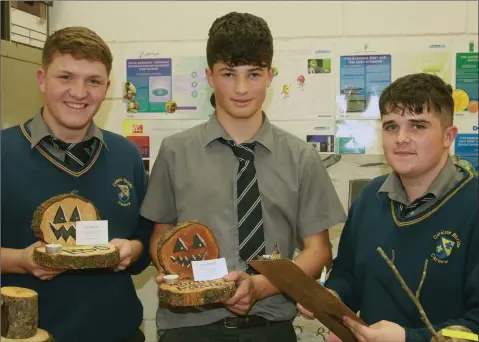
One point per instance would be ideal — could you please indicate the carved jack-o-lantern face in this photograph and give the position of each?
(187, 242)
(54, 221)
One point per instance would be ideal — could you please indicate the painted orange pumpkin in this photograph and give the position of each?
(188, 241)
(54, 220)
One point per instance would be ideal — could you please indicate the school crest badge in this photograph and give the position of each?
(446, 242)
(123, 189)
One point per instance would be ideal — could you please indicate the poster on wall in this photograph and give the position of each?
(466, 142)
(191, 89)
(147, 135)
(318, 133)
(433, 58)
(358, 137)
(322, 143)
(174, 88)
(362, 80)
(149, 85)
(303, 84)
(466, 92)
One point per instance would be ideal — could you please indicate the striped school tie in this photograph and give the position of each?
(77, 155)
(248, 202)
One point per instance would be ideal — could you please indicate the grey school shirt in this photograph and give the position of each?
(40, 130)
(445, 181)
(194, 178)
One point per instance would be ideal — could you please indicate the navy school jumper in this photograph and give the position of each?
(447, 235)
(90, 305)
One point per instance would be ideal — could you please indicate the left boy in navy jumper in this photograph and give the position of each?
(62, 151)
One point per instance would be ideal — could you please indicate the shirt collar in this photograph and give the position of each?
(395, 189)
(214, 130)
(39, 130)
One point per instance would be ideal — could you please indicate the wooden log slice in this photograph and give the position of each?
(19, 312)
(40, 336)
(79, 257)
(188, 241)
(453, 339)
(54, 221)
(188, 292)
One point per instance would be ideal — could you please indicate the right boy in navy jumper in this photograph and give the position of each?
(425, 209)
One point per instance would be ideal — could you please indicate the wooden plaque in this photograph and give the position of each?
(78, 257)
(305, 290)
(190, 241)
(54, 221)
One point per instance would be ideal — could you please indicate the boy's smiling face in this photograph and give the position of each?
(240, 91)
(74, 90)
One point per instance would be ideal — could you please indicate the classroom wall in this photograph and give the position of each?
(348, 22)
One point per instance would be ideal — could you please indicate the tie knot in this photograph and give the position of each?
(58, 143)
(70, 146)
(242, 151)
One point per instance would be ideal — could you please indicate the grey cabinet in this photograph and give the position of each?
(20, 95)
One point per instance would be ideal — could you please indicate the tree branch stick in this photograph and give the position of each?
(418, 292)
(411, 295)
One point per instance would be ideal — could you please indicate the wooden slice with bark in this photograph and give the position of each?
(188, 241)
(40, 336)
(54, 221)
(19, 312)
(78, 257)
(188, 292)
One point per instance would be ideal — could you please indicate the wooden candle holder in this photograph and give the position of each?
(54, 223)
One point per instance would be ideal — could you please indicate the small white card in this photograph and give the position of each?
(209, 269)
(91, 232)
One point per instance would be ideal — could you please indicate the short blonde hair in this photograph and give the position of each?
(81, 43)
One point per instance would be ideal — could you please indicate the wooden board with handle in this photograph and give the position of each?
(305, 290)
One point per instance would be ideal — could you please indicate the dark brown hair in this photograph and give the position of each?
(240, 39)
(418, 93)
(81, 43)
